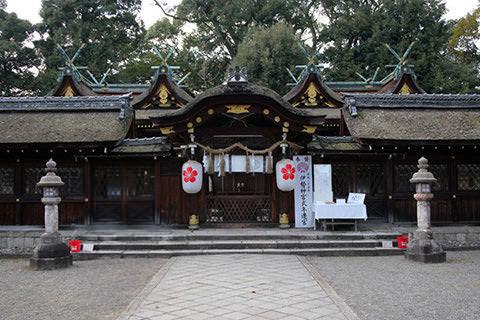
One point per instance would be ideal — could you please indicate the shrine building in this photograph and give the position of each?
(120, 149)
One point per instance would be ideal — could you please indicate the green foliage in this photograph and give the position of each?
(463, 44)
(16, 58)
(450, 76)
(358, 30)
(109, 29)
(266, 52)
(222, 25)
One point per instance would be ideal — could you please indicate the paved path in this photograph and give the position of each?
(238, 287)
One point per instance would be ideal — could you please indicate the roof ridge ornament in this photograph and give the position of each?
(371, 79)
(166, 69)
(308, 68)
(401, 67)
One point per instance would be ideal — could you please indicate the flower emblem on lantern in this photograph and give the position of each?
(288, 172)
(189, 175)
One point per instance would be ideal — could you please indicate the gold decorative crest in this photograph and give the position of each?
(405, 89)
(68, 92)
(309, 129)
(163, 95)
(237, 109)
(167, 130)
(312, 92)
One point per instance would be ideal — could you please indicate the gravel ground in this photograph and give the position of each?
(394, 288)
(93, 289)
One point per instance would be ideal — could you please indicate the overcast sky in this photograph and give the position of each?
(28, 9)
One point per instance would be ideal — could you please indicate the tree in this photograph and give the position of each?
(17, 59)
(109, 30)
(266, 52)
(463, 44)
(222, 25)
(359, 29)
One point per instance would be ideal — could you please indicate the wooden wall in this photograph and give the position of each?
(383, 178)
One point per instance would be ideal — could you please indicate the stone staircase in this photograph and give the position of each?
(258, 241)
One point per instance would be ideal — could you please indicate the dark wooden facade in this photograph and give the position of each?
(122, 164)
(148, 191)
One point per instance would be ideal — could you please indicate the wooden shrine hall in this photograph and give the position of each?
(120, 149)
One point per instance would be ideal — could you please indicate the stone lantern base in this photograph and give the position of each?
(51, 253)
(424, 249)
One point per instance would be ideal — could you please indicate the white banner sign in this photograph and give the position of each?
(238, 163)
(323, 182)
(303, 192)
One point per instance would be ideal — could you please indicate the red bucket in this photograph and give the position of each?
(402, 242)
(75, 245)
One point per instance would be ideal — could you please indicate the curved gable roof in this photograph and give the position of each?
(238, 99)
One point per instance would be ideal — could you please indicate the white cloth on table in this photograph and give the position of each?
(339, 210)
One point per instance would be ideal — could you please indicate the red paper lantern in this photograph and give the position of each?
(192, 176)
(285, 174)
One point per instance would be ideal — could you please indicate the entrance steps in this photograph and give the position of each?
(179, 243)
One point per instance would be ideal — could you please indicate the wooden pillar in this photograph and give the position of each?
(18, 192)
(157, 191)
(123, 177)
(274, 201)
(87, 193)
(452, 184)
(389, 191)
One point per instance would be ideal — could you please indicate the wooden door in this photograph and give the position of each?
(123, 193)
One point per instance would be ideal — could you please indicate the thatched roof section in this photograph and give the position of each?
(324, 144)
(424, 118)
(62, 120)
(145, 146)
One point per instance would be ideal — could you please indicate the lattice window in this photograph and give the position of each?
(245, 209)
(341, 180)
(7, 180)
(468, 177)
(31, 176)
(140, 182)
(108, 183)
(73, 179)
(401, 177)
(440, 172)
(371, 179)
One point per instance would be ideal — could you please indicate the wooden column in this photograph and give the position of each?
(389, 189)
(157, 191)
(87, 193)
(123, 176)
(18, 192)
(452, 184)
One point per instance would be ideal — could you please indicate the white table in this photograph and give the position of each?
(323, 211)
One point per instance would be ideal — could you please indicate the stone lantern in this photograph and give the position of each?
(423, 248)
(51, 252)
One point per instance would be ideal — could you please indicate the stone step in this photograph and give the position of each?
(376, 251)
(233, 244)
(239, 236)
